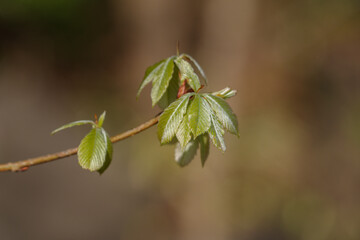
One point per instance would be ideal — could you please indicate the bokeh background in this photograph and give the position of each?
(294, 173)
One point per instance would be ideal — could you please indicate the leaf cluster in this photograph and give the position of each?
(194, 119)
(191, 117)
(168, 75)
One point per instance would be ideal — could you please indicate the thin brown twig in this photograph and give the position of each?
(25, 164)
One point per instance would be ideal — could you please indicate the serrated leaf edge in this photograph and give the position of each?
(159, 81)
(182, 100)
(147, 79)
(216, 127)
(225, 117)
(203, 108)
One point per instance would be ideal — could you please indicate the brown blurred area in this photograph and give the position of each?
(294, 173)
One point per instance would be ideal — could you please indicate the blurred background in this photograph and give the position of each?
(294, 173)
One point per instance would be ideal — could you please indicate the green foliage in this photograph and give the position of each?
(183, 134)
(95, 149)
(199, 116)
(216, 133)
(101, 119)
(161, 80)
(164, 76)
(190, 119)
(150, 73)
(193, 118)
(72, 124)
(225, 93)
(196, 117)
(197, 66)
(171, 118)
(188, 73)
(171, 94)
(224, 113)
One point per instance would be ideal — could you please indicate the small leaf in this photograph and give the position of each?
(224, 113)
(197, 65)
(199, 115)
(216, 134)
(171, 118)
(149, 75)
(171, 93)
(109, 152)
(184, 156)
(183, 134)
(187, 72)
(101, 119)
(225, 93)
(72, 124)
(161, 80)
(204, 147)
(93, 150)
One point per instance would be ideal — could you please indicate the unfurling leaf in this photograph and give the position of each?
(204, 147)
(223, 113)
(94, 150)
(225, 93)
(171, 118)
(199, 115)
(72, 124)
(161, 80)
(216, 134)
(188, 73)
(198, 67)
(101, 119)
(184, 156)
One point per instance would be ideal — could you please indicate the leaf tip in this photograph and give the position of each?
(101, 119)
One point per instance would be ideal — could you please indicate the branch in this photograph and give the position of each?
(25, 164)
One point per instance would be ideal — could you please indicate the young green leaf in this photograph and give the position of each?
(199, 115)
(225, 93)
(187, 72)
(223, 113)
(198, 67)
(204, 147)
(183, 134)
(171, 118)
(216, 133)
(184, 156)
(149, 75)
(161, 80)
(109, 152)
(101, 119)
(72, 124)
(93, 150)
(171, 93)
